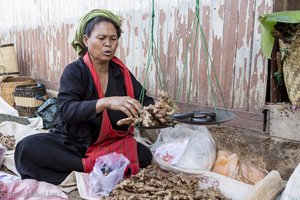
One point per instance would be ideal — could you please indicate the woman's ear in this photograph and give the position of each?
(85, 40)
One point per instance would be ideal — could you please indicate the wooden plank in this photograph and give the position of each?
(136, 65)
(170, 66)
(164, 71)
(293, 4)
(283, 5)
(284, 124)
(229, 41)
(243, 56)
(203, 91)
(279, 5)
(258, 73)
(193, 68)
(181, 36)
(215, 50)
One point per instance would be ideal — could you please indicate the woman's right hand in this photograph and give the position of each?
(126, 104)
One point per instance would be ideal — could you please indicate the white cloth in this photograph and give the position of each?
(19, 131)
(5, 108)
(36, 123)
(9, 161)
(80, 181)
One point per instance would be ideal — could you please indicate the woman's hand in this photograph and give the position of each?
(126, 104)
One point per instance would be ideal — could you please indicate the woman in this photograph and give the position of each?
(95, 92)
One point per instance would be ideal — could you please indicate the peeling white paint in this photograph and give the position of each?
(217, 21)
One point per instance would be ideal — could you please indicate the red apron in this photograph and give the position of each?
(110, 140)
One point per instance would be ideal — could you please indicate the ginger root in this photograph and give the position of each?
(128, 120)
(154, 115)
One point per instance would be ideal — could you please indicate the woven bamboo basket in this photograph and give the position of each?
(8, 60)
(9, 84)
(28, 98)
(291, 69)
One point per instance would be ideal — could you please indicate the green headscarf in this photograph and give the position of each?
(77, 42)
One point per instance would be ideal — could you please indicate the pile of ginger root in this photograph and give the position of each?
(153, 183)
(158, 114)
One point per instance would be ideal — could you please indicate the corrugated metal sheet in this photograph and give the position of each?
(42, 30)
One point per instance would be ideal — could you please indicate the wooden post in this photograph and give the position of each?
(274, 88)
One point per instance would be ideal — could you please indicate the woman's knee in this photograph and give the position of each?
(23, 146)
(22, 156)
(24, 149)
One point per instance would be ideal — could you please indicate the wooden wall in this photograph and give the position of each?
(42, 30)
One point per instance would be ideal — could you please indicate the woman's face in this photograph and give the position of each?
(103, 42)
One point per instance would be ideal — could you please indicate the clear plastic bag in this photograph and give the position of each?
(107, 173)
(200, 153)
(172, 152)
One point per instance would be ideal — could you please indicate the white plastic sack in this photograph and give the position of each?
(292, 187)
(107, 173)
(200, 153)
(230, 188)
(268, 188)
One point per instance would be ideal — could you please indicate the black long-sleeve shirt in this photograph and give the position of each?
(77, 100)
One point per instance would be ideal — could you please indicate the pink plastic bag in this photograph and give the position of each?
(107, 173)
(30, 189)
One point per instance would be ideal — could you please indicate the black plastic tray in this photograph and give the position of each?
(221, 116)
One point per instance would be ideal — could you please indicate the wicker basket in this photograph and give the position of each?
(8, 60)
(28, 98)
(291, 69)
(9, 84)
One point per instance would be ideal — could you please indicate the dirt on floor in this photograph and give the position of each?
(267, 152)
